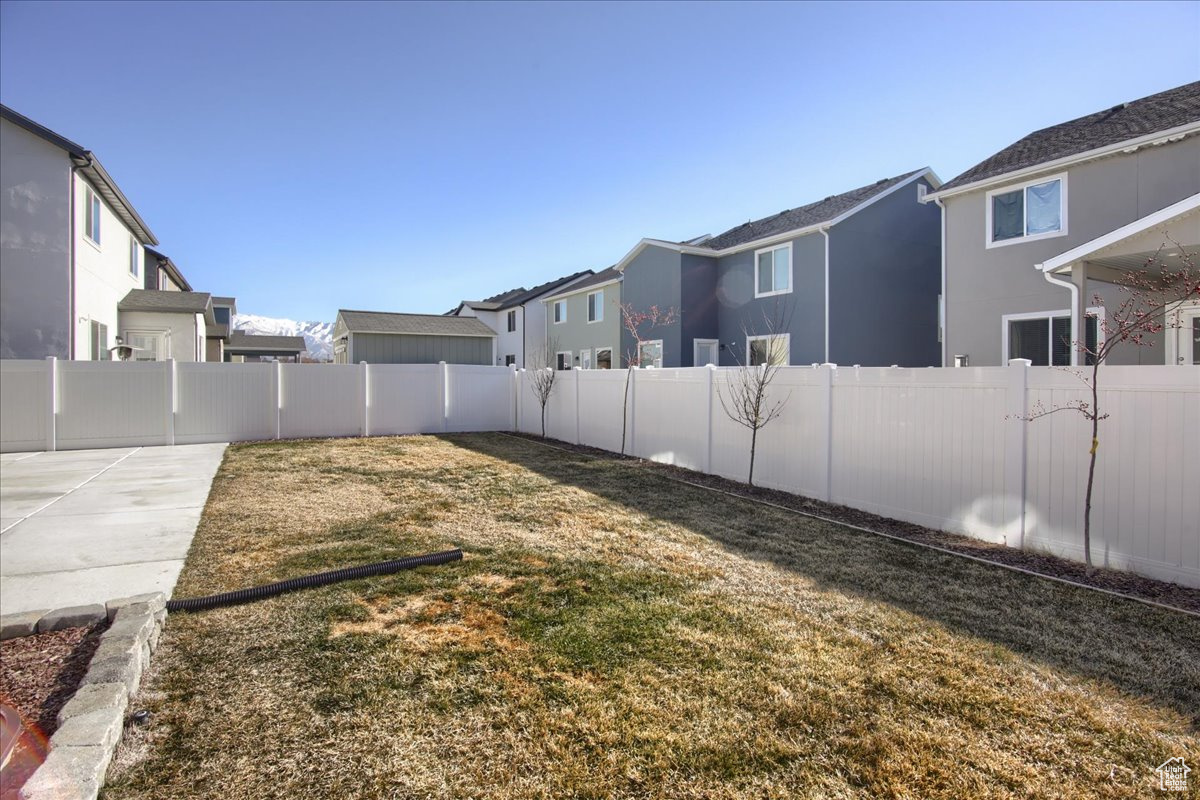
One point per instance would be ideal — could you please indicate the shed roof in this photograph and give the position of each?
(412, 324)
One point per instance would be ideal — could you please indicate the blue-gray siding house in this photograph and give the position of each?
(852, 279)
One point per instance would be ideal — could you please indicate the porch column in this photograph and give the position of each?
(1079, 312)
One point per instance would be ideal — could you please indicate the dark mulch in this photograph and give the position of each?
(40, 673)
(1171, 594)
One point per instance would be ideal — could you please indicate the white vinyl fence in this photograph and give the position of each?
(939, 447)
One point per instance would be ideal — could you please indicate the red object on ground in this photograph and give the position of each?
(22, 751)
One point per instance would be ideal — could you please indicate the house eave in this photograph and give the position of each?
(1148, 140)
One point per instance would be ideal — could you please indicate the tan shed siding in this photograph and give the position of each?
(390, 348)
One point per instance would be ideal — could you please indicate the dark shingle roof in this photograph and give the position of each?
(519, 296)
(1158, 112)
(241, 343)
(802, 217)
(166, 302)
(603, 276)
(420, 324)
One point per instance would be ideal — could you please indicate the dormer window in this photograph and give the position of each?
(1034, 210)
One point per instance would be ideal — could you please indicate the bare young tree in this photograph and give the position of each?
(746, 397)
(1150, 306)
(639, 323)
(543, 377)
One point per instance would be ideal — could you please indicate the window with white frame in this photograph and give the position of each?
(147, 345)
(1034, 210)
(604, 358)
(510, 360)
(1045, 338)
(595, 301)
(650, 353)
(99, 341)
(134, 249)
(560, 311)
(91, 214)
(774, 349)
(773, 270)
(512, 320)
(562, 360)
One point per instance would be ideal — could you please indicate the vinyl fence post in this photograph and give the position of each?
(826, 460)
(1015, 446)
(170, 401)
(710, 372)
(633, 412)
(52, 391)
(519, 389)
(278, 375)
(577, 440)
(364, 390)
(520, 404)
(445, 370)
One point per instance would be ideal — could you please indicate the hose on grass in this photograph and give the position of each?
(311, 581)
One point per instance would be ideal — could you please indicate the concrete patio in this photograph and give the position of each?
(87, 526)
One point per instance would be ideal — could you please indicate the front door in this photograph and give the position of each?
(585, 359)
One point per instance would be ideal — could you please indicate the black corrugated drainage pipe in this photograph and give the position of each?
(310, 581)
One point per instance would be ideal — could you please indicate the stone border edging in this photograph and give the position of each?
(91, 724)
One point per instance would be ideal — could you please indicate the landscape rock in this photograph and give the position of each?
(93, 697)
(73, 617)
(69, 773)
(156, 600)
(23, 624)
(99, 728)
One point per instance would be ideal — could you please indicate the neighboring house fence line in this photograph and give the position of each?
(941, 447)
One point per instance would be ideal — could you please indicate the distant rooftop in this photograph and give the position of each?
(417, 324)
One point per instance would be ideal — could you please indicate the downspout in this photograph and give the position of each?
(825, 233)
(71, 324)
(524, 335)
(1074, 307)
(942, 315)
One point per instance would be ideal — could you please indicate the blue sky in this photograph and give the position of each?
(403, 157)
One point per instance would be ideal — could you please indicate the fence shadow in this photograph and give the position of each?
(1138, 649)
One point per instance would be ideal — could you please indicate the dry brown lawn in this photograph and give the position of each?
(613, 634)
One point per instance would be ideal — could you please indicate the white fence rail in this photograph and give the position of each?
(939, 447)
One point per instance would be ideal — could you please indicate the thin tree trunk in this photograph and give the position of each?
(543, 420)
(625, 406)
(1087, 501)
(753, 444)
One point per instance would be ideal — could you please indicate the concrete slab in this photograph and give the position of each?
(86, 526)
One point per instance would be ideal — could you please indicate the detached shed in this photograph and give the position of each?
(381, 337)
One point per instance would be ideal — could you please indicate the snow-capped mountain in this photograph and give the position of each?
(317, 335)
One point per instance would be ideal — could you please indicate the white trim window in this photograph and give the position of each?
(560, 311)
(595, 306)
(147, 345)
(604, 358)
(650, 353)
(510, 360)
(1026, 212)
(134, 259)
(1044, 337)
(512, 321)
(562, 359)
(705, 352)
(91, 215)
(773, 270)
(773, 348)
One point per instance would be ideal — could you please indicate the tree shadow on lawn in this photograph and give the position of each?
(1139, 649)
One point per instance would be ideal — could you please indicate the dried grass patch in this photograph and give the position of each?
(611, 634)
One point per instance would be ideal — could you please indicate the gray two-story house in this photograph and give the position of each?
(583, 325)
(1034, 233)
(850, 279)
